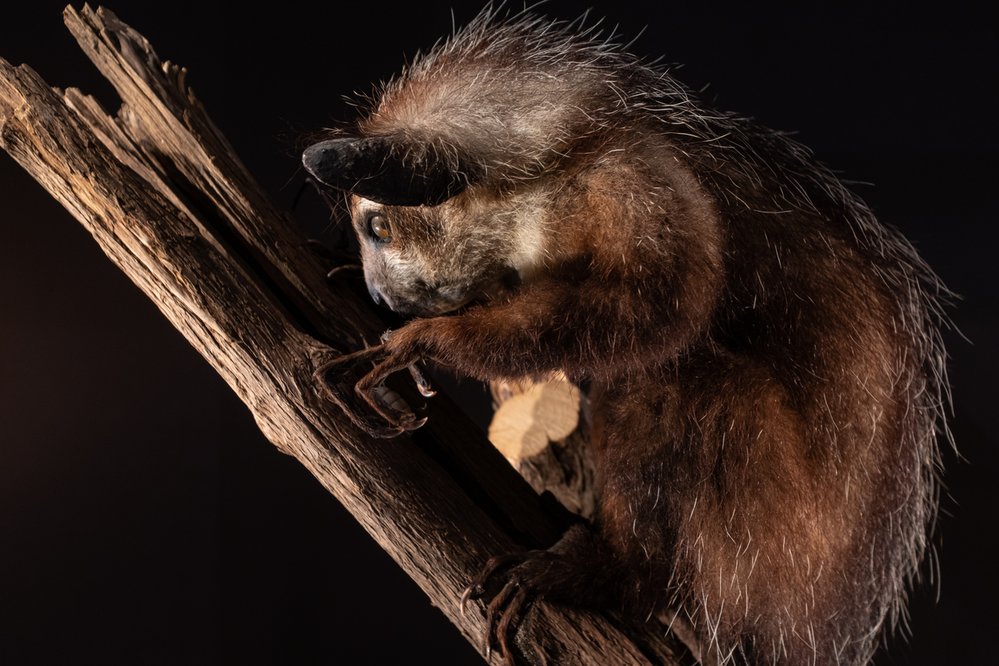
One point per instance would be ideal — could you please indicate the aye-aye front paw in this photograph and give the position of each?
(359, 389)
(522, 578)
(574, 569)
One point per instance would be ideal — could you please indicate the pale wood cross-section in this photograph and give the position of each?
(168, 201)
(537, 427)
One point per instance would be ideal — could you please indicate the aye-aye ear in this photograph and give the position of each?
(369, 167)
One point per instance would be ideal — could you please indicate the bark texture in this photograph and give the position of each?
(168, 201)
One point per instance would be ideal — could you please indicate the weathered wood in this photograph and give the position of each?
(551, 450)
(167, 200)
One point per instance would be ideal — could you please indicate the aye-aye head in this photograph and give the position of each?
(431, 240)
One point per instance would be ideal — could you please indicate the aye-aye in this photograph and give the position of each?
(763, 358)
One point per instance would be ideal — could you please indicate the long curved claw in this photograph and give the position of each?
(494, 615)
(505, 629)
(477, 588)
(573, 568)
(422, 385)
(503, 610)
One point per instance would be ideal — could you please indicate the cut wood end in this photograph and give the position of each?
(539, 413)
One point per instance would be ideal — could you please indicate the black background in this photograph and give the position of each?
(143, 519)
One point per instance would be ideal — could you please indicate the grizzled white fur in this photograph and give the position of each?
(440, 271)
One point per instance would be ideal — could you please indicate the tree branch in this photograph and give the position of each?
(168, 201)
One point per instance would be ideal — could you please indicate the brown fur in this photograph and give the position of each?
(764, 356)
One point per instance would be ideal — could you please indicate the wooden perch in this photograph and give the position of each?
(168, 201)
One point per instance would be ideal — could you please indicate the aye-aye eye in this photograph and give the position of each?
(379, 229)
